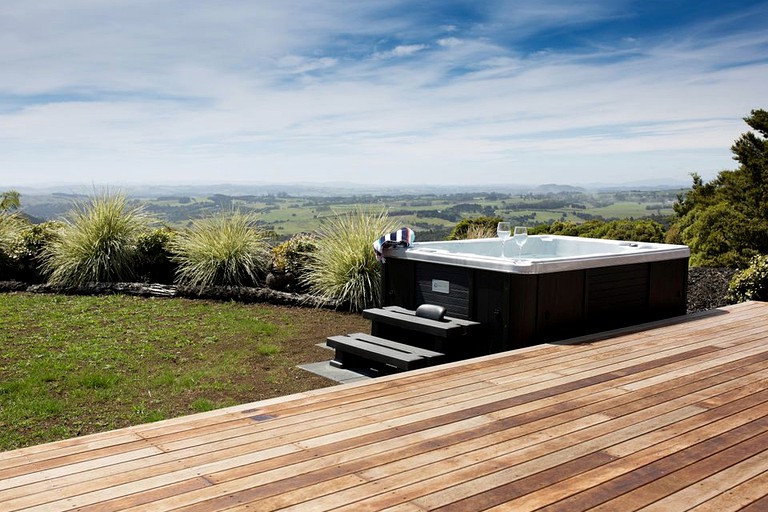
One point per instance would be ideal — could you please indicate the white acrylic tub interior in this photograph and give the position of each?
(540, 254)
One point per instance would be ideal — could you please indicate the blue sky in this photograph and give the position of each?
(376, 92)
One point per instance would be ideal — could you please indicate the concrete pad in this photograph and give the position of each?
(341, 375)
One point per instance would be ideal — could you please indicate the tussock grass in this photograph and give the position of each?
(11, 225)
(226, 250)
(96, 243)
(480, 231)
(344, 267)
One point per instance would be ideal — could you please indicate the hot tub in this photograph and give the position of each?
(558, 288)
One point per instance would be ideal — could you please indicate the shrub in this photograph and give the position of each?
(227, 250)
(476, 225)
(643, 230)
(97, 242)
(565, 228)
(290, 261)
(28, 247)
(293, 255)
(344, 267)
(11, 225)
(155, 259)
(750, 283)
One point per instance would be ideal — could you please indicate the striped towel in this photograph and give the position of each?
(403, 237)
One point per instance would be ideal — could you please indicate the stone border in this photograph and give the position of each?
(221, 293)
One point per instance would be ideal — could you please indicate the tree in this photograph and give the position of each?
(725, 222)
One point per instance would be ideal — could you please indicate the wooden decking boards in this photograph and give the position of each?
(670, 416)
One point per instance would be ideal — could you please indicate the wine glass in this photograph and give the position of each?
(503, 231)
(520, 237)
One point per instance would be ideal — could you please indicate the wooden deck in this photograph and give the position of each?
(671, 417)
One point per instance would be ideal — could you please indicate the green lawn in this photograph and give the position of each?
(75, 365)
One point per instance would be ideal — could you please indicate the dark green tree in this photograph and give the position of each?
(725, 222)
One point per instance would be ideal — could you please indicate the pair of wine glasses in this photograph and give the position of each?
(503, 230)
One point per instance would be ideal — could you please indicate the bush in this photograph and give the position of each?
(11, 225)
(28, 247)
(225, 250)
(97, 243)
(642, 230)
(293, 255)
(750, 283)
(474, 226)
(290, 261)
(155, 258)
(344, 267)
(564, 228)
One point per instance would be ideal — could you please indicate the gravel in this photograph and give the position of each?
(707, 287)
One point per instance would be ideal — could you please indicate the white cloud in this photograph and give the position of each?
(449, 41)
(299, 64)
(289, 91)
(405, 50)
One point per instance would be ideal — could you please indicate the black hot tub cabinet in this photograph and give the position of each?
(561, 287)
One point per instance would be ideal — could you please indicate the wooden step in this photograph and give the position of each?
(407, 319)
(360, 348)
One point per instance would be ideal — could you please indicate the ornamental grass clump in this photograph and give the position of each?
(344, 267)
(480, 231)
(97, 242)
(11, 224)
(223, 250)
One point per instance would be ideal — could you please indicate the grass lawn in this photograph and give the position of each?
(73, 365)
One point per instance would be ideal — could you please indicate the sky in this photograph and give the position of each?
(390, 92)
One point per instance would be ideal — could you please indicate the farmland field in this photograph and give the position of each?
(432, 216)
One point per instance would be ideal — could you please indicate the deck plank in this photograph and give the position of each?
(713, 486)
(671, 415)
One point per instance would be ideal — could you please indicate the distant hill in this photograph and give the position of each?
(74, 190)
(552, 188)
